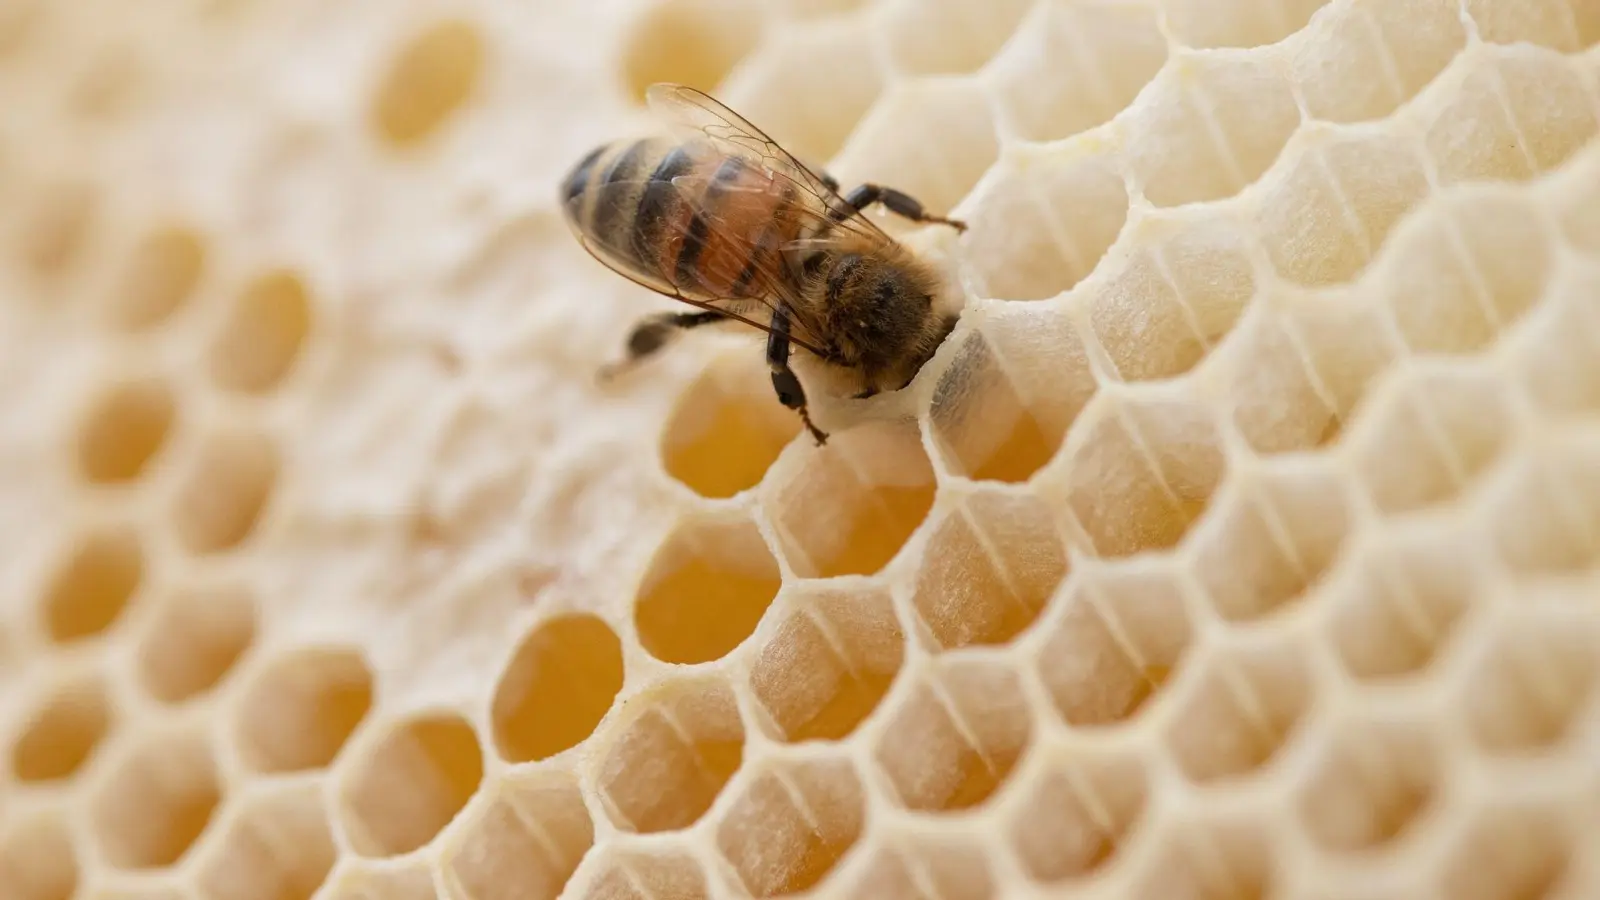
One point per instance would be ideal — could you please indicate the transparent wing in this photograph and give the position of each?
(695, 113)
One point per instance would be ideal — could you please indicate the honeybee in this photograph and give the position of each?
(718, 215)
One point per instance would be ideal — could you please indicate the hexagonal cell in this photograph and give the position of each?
(1208, 127)
(157, 799)
(263, 335)
(123, 430)
(1556, 352)
(1410, 41)
(1122, 631)
(656, 874)
(406, 787)
(851, 505)
(1373, 780)
(727, 429)
(525, 843)
(1532, 684)
(63, 731)
(1273, 534)
(1429, 434)
(558, 686)
(665, 762)
(1333, 200)
(1043, 221)
(955, 736)
(276, 846)
(1079, 810)
(991, 564)
(990, 417)
(692, 42)
(301, 708)
(1542, 512)
(37, 861)
(1512, 113)
(790, 824)
(1512, 850)
(93, 584)
(1242, 705)
(931, 866)
(225, 492)
(1072, 66)
(931, 138)
(1221, 858)
(1566, 25)
(1236, 23)
(945, 37)
(1394, 606)
(162, 272)
(1173, 297)
(431, 75)
(55, 225)
(1136, 473)
(194, 640)
(828, 664)
(706, 589)
(1264, 378)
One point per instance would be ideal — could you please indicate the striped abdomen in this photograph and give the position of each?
(716, 237)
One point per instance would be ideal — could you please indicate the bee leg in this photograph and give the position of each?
(653, 333)
(784, 382)
(897, 202)
(862, 395)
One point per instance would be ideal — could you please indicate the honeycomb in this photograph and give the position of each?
(1242, 541)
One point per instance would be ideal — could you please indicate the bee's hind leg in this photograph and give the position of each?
(653, 333)
(897, 202)
(784, 381)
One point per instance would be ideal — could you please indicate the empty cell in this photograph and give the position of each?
(790, 824)
(990, 566)
(525, 843)
(91, 586)
(1235, 23)
(1174, 295)
(829, 664)
(1556, 354)
(1271, 538)
(262, 336)
(1534, 682)
(851, 505)
(123, 429)
(1239, 709)
(663, 765)
(275, 846)
(955, 737)
(1338, 196)
(159, 796)
(1001, 409)
(1466, 271)
(299, 709)
(1511, 851)
(1043, 220)
(1072, 66)
(1566, 25)
(1078, 813)
(1346, 342)
(706, 590)
(1230, 858)
(1372, 781)
(432, 74)
(55, 226)
(1429, 434)
(62, 732)
(1137, 476)
(1542, 516)
(1514, 112)
(1207, 127)
(649, 875)
(928, 867)
(1359, 62)
(1394, 607)
(1122, 632)
(558, 686)
(225, 490)
(943, 37)
(691, 42)
(931, 138)
(159, 276)
(810, 86)
(37, 861)
(197, 635)
(727, 429)
(409, 785)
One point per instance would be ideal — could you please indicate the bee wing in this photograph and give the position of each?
(698, 114)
